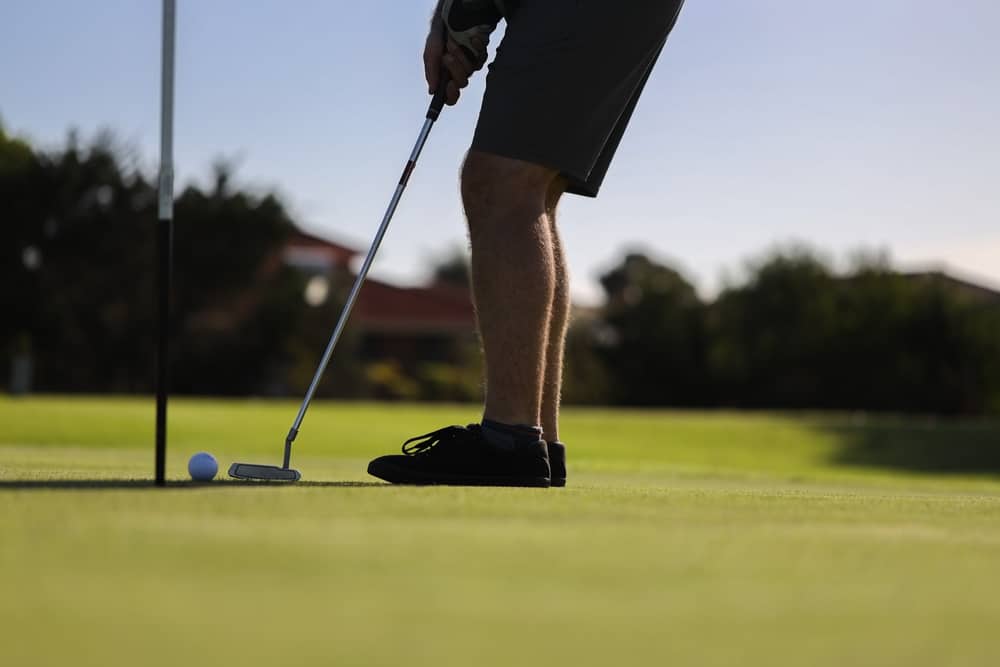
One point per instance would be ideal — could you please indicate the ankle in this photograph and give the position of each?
(510, 417)
(510, 435)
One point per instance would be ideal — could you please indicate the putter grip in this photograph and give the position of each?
(437, 102)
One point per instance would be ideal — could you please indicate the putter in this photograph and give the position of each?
(268, 473)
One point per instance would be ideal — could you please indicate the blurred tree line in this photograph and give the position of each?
(76, 288)
(77, 272)
(796, 334)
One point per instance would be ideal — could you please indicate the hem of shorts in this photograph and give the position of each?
(575, 184)
(577, 187)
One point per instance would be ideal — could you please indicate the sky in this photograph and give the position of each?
(852, 124)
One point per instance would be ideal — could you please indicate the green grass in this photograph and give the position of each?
(684, 538)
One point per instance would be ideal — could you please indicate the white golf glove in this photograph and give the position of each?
(468, 19)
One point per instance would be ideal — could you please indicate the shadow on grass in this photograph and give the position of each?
(919, 444)
(139, 484)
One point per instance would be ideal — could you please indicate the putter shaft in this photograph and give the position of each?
(345, 314)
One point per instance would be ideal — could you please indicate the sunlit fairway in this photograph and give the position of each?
(693, 538)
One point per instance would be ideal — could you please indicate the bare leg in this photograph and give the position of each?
(558, 323)
(513, 278)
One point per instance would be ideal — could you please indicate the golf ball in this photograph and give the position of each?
(202, 467)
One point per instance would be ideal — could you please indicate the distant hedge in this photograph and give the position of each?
(795, 334)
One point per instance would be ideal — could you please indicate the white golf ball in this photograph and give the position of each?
(202, 467)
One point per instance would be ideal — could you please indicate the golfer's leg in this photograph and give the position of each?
(558, 323)
(513, 279)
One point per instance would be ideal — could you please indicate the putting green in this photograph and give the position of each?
(692, 538)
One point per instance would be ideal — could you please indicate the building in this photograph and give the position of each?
(408, 325)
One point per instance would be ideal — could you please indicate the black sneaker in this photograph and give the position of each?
(557, 462)
(463, 456)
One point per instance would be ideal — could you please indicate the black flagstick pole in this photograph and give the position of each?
(165, 232)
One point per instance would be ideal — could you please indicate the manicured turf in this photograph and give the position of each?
(683, 538)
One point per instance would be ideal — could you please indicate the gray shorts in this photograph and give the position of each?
(566, 79)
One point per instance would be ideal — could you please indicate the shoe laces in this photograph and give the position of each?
(423, 443)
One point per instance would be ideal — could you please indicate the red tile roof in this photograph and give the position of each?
(383, 307)
(439, 308)
(305, 244)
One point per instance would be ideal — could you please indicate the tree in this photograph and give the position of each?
(77, 274)
(796, 335)
(21, 199)
(453, 269)
(770, 337)
(654, 332)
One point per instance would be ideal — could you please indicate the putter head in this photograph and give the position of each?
(262, 473)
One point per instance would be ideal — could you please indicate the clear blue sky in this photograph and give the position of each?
(844, 124)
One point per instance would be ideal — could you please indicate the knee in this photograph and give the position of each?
(495, 187)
